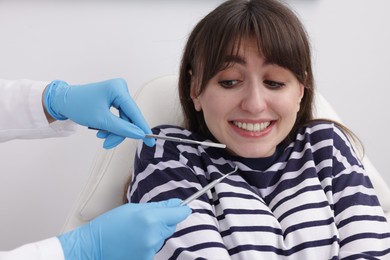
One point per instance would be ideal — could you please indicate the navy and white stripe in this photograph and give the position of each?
(310, 200)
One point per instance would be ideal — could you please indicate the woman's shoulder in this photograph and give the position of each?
(321, 129)
(320, 125)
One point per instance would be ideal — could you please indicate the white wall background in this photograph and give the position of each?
(87, 41)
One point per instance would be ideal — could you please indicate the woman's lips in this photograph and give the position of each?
(252, 129)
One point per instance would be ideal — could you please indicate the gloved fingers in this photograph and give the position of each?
(132, 207)
(169, 203)
(102, 134)
(169, 211)
(174, 202)
(171, 216)
(148, 141)
(112, 140)
(131, 110)
(122, 127)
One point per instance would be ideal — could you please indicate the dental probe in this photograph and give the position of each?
(188, 141)
(206, 188)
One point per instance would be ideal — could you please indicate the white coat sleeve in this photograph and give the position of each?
(48, 249)
(22, 115)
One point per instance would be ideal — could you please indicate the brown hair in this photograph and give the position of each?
(281, 39)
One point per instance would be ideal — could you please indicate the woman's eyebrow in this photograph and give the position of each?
(235, 59)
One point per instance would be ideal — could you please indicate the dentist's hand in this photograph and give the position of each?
(90, 104)
(131, 231)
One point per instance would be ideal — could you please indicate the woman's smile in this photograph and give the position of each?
(252, 127)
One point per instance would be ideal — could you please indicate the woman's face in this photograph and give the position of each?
(250, 106)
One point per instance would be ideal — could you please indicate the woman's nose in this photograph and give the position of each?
(254, 99)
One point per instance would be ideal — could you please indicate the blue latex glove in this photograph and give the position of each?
(131, 231)
(90, 104)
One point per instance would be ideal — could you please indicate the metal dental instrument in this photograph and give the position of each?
(206, 188)
(188, 141)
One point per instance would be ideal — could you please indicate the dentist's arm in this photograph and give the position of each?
(90, 104)
(131, 231)
(24, 104)
(22, 114)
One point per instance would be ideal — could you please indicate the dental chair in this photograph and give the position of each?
(159, 102)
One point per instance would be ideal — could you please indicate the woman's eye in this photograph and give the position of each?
(228, 83)
(274, 84)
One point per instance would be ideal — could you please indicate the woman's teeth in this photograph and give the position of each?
(256, 127)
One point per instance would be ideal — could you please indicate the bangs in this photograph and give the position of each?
(280, 41)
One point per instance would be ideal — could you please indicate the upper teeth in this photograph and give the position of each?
(252, 127)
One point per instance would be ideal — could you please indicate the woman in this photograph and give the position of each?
(300, 191)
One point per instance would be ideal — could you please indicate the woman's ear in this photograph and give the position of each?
(302, 93)
(302, 89)
(193, 94)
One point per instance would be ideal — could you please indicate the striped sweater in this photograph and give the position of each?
(310, 200)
